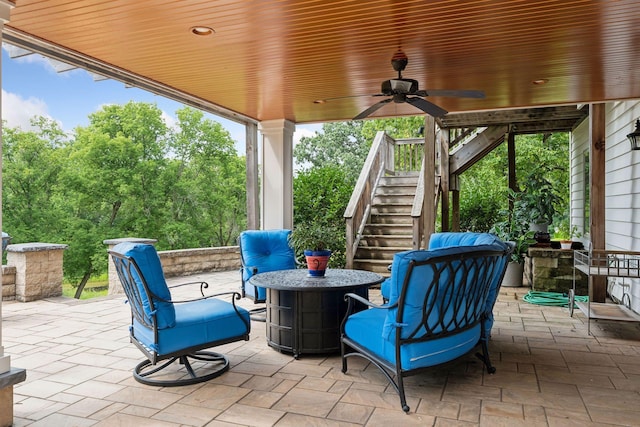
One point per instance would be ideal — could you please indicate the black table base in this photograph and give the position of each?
(307, 322)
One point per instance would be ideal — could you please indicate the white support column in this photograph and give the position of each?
(276, 194)
(5, 9)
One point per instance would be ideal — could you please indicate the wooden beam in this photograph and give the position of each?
(444, 178)
(455, 202)
(597, 198)
(251, 162)
(476, 149)
(511, 159)
(429, 177)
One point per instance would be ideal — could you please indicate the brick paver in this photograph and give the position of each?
(550, 372)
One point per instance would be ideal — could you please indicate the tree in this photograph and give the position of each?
(320, 196)
(208, 196)
(32, 164)
(340, 144)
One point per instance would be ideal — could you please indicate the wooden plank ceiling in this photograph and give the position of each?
(272, 59)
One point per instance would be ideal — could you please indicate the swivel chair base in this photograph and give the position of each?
(156, 375)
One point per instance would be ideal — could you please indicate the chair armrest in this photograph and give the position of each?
(353, 298)
(203, 286)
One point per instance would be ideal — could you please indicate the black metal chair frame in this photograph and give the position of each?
(144, 371)
(461, 317)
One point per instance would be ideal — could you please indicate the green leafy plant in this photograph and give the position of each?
(539, 198)
(515, 228)
(564, 232)
(316, 236)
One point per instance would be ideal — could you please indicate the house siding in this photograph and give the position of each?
(622, 186)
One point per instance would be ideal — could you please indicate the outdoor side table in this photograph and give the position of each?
(304, 313)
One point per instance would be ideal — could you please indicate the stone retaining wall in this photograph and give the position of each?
(184, 262)
(34, 270)
(8, 282)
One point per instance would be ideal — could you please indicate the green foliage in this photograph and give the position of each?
(316, 236)
(539, 197)
(396, 127)
(340, 144)
(125, 174)
(514, 227)
(320, 196)
(563, 231)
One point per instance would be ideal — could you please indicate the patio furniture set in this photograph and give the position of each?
(438, 307)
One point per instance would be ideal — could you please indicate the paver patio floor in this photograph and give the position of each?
(549, 372)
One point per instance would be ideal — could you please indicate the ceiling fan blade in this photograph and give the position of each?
(373, 108)
(427, 107)
(478, 94)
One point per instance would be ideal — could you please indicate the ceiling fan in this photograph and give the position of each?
(406, 90)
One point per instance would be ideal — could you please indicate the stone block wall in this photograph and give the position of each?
(8, 282)
(38, 270)
(181, 262)
(551, 270)
(184, 262)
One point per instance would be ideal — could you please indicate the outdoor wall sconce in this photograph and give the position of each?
(634, 137)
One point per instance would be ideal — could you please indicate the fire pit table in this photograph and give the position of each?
(304, 313)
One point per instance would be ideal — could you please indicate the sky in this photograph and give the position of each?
(31, 87)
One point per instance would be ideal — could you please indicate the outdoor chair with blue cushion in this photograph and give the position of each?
(458, 239)
(168, 330)
(436, 312)
(262, 251)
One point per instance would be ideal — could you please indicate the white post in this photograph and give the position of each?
(277, 174)
(5, 9)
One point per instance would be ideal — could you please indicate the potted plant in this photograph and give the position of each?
(514, 228)
(314, 240)
(538, 200)
(566, 234)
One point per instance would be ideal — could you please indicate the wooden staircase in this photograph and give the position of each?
(389, 228)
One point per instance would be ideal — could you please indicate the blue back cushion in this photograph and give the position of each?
(267, 250)
(419, 283)
(147, 259)
(449, 239)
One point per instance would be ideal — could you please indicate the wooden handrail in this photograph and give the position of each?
(379, 160)
(417, 211)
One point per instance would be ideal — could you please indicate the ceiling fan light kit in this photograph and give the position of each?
(402, 90)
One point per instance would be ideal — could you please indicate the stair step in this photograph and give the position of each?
(388, 229)
(378, 252)
(377, 266)
(408, 190)
(399, 180)
(396, 199)
(390, 208)
(374, 240)
(391, 218)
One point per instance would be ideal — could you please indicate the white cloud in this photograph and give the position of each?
(305, 130)
(18, 111)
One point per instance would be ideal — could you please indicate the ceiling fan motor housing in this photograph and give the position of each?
(393, 86)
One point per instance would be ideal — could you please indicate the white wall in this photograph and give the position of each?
(622, 185)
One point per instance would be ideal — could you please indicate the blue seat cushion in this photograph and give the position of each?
(148, 261)
(197, 322)
(366, 329)
(264, 250)
(449, 239)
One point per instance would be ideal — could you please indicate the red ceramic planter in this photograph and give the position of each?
(317, 262)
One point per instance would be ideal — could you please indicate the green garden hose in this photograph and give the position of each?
(551, 298)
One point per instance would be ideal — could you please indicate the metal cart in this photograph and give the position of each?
(606, 263)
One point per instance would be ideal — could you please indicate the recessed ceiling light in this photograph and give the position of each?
(540, 81)
(202, 31)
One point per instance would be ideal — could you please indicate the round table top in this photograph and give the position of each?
(299, 279)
